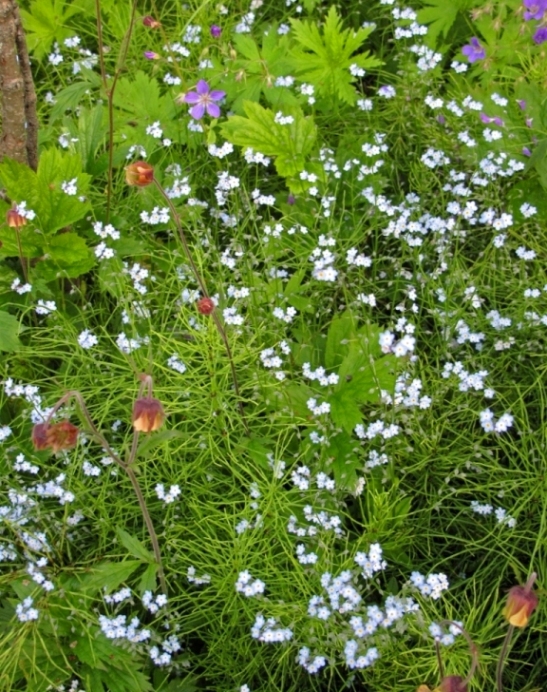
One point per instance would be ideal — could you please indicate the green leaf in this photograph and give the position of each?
(70, 97)
(109, 575)
(341, 331)
(324, 60)
(46, 22)
(148, 581)
(92, 130)
(66, 255)
(290, 144)
(9, 330)
(134, 546)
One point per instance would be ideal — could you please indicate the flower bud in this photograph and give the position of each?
(148, 415)
(205, 306)
(521, 603)
(150, 55)
(14, 219)
(150, 22)
(139, 173)
(216, 31)
(56, 436)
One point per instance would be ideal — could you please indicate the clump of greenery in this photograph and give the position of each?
(328, 262)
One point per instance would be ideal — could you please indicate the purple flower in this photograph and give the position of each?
(522, 104)
(540, 36)
(526, 151)
(150, 55)
(474, 51)
(215, 31)
(203, 99)
(535, 9)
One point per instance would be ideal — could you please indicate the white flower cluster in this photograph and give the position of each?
(118, 596)
(464, 335)
(169, 646)
(362, 661)
(371, 562)
(136, 150)
(312, 666)
(305, 558)
(87, 339)
(37, 576)
(117, 628)
(225, 184)
(55, 489)
(102, 250)
(432, 585)
(468, 380)
(25, 611)
(248, 586)
(20, 287)
(445, 638)
(490, 424)
(151, 604)
(157, 216)
(375, 459)
(357, 260)
(198, 581)
(252, 156)
(433, 158)
(407, 393)
(22, 465)
(70, 187)
(231, 316)
(90, 469)
(428, 59)
(500, 513)
(175, 363)
(258, 198)
(179, 188)
(45, 307)
(169, 496)
(319, 375)
(286, 315)
(137, 274)
(375, 429)
(268, 632)
(317, 409)
(281, 119)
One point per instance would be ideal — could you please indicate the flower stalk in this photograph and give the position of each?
(41, 442)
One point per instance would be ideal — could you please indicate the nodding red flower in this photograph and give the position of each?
(56, 436)
(148, 415)
(39, 436)
(521, 603)
(205, 306)
(139, 173)
(150, 22)
(14, 219)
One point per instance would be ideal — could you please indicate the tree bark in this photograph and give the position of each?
(19, 121)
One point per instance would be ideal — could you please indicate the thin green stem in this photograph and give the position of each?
(205, 292)
(439, 659)
(126, 466)
(110, 98)
(503, 656)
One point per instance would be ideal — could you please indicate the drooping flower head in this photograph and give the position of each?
(150, 22)
(203, 100)
(521, 603)
(535, 9)
(148, 415)
(54, 436)
(205, 306)
(139, 173)
(474, 51)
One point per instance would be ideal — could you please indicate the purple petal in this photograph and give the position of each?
(213, 110)
(202, 87)
(217, 95)
(198, 111)
(485, 118)
(192, 97)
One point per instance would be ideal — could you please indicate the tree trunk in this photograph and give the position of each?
(19, 122)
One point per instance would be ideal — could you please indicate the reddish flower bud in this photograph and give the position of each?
(521, 603)
(14, 219)
(148, 415)
(61, 435)
(150, 22)
(452, 683)
(39, 436)
(205, 306)
(139, 173)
